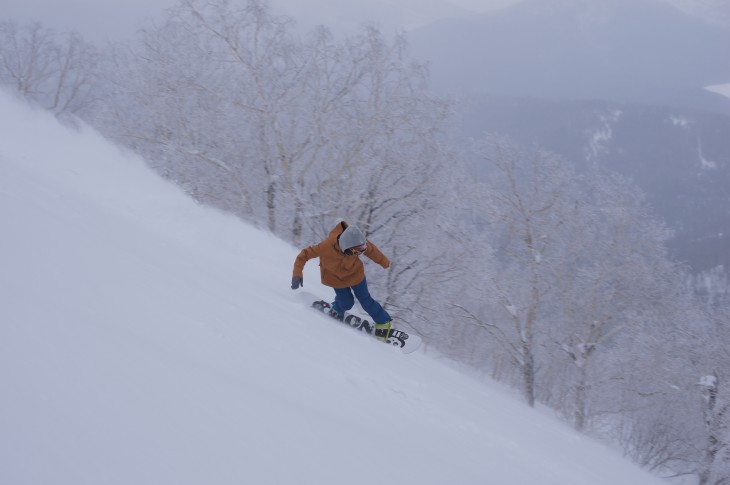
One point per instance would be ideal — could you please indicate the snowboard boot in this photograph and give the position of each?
(335, 314)
(382, 331)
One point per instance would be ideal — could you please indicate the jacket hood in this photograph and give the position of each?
(336, 231)
(351, 237)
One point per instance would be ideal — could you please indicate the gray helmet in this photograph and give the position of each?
(351, 237)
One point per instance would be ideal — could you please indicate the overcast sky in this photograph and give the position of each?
(118, 19)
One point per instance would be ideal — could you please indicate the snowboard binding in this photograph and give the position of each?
(391, 336)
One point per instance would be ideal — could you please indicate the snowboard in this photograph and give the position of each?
(406, 342)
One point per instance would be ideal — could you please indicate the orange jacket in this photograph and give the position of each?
(337, 269)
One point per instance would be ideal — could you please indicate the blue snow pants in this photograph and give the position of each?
(345, 301)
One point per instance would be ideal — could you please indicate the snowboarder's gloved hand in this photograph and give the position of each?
(296, 282)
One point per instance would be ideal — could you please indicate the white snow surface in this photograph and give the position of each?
(145, 339)
(723, 89)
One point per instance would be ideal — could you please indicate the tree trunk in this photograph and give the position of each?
(580, 399)
(271, 206)
(297, 228)
(528, 374)
(713, 426)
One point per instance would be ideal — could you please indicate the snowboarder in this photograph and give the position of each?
(341, 269)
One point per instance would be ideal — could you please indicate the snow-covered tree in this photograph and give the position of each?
(715, 413)
(713, 464)
(293, 133)
(528, 199)
(57, 71)
(611, 278)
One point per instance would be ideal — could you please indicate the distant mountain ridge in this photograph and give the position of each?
(714, 11)
(619, 83)
(638, 51)
(679, 157)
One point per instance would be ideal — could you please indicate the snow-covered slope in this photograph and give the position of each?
(145, 339)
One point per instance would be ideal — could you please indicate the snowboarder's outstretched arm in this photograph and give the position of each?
(374, 254)
(310, 252)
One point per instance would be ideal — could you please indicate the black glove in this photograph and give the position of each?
(296, 282)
